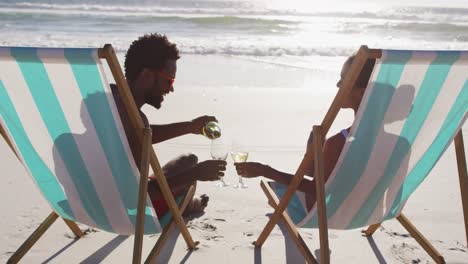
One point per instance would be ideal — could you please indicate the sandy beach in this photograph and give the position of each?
(273, 108)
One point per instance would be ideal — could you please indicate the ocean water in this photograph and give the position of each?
(288, 32)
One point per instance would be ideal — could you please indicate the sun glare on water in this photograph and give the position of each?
(326, 6)
(318, 6)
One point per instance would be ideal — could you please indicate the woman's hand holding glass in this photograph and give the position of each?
(250, 169)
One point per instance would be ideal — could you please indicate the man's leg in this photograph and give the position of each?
(171, 169)
(178, 165)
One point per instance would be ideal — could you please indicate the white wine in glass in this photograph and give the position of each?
(239, 156)
(219, 151)
(239, 153)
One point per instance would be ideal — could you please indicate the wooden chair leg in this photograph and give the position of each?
(436, 256)
(292, 230)
(142, 194)
(170, 226)
(463, 176)
(371, 229)
(74, 228)
(292, 187)
(319, 176)
(26, 246)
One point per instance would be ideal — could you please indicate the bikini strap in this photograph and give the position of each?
(345, 133)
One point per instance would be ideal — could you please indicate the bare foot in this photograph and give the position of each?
(197, 205)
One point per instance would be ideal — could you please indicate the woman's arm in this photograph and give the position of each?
(256, 169)
(331, 152)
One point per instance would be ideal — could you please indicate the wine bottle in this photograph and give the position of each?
(211, 130)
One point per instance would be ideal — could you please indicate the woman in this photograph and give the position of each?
(332, 147)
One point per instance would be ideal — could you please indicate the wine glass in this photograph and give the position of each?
(219, 151)
(239, 153)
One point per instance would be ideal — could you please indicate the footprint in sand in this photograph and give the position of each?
(396, 234)
(458, 249)
(209, 227)
(257, 217)
(202, 226)
(405, 253)
(214, 238)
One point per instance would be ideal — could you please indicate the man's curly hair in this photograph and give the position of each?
(149, 51)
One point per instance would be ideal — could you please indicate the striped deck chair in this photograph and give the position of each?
(383, 161)
(59, 117)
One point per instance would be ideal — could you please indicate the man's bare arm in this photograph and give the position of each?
(164, 132)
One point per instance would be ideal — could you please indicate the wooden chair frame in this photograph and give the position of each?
(319, 133)
(148, 158)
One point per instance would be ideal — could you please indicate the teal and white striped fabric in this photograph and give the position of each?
(57, 109)
(414, 105)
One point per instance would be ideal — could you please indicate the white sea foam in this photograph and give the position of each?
(257, 29)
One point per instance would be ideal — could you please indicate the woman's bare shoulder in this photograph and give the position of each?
(335, 143)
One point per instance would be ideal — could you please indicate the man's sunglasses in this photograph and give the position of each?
(165, 76)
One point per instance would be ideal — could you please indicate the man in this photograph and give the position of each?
(150, 70)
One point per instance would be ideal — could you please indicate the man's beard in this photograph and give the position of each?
(155, 101)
